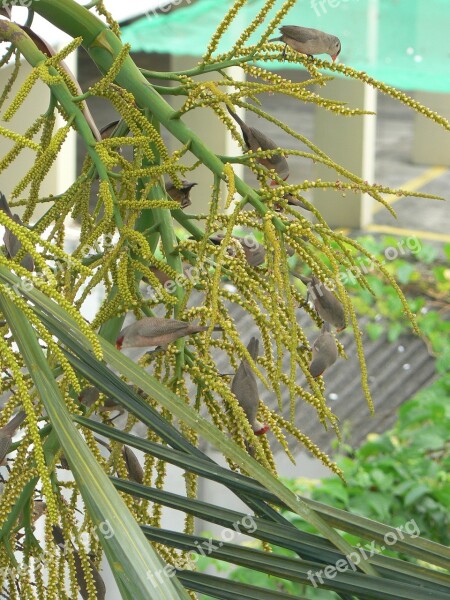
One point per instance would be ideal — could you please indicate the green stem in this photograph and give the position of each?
(13, 33)
(199, 70)
(103, 46)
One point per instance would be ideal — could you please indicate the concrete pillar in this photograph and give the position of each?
(431, 142)
(350, 142)
(211, 130)
(62, 173)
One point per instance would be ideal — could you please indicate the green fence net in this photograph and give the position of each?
(405, 43)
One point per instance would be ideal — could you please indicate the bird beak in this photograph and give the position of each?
(119, 343)
(334, 57)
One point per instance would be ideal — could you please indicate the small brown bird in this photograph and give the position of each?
(180, 195)
(154, 331)
(255, 253)
(256, 140)
(12, 243)
(309, 41)
(39, 508)
(324, 352)
(99, 584)
(91, 394)
(7, 432)
(134, 467)
(163, 277)
(245, 388)
(325, 302)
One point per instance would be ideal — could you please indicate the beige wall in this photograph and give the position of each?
(62, 173)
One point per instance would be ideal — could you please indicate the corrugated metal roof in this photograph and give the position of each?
(396, 371)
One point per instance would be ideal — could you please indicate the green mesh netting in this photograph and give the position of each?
(405, 43)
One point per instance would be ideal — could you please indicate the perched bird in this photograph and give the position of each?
(309, 41)
(324, 352)
(12, 243)
(154, 331)
(256, 140)
(325, 302)
(245, 388)
(134, 467)
(255, 253)
(163, 277)
(39, 508)
(99, 584)
(7, 432)
(180, 195)
(91, 394)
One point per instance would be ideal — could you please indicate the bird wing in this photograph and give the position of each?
(264, 142)
(245, 388)
(159, 326)
(299, 34)
(12, 243)
(326, 345)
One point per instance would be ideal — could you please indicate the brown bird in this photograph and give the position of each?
(154, 331)
(12, 243)
(180, 195)
(91, 394)
(99, 584)
(324, 352)
(134, 467)
(309, 41)
(256, 140)
(325, 302)
(245, 388)
(255, 253)
(163, 277)
(39, 508)
(7, 432)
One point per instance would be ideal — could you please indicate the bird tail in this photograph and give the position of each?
(278, 39)
(15, 422)
(236, 117)
(200, 328)
(4, 206)
(302, 278)
(188, 186)
(253, 347)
